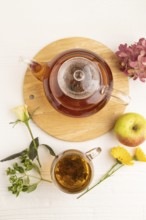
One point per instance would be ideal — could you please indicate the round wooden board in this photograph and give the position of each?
(64, 127)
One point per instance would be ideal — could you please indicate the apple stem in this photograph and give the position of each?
(135, 127)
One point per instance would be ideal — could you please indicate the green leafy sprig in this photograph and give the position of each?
(20, 174)
(20, 177)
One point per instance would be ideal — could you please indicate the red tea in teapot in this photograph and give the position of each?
(77, 82)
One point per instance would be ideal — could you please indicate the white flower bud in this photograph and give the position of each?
(22, 113)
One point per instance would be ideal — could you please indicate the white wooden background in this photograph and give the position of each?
(25, 27)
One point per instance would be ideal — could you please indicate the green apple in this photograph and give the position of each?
(130, 129)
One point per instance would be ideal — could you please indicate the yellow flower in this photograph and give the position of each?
(122, 155)
(139, 155)
(22, 113)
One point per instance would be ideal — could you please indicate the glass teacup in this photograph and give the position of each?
(72, 171)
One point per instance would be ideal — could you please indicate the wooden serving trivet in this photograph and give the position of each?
(64, 127)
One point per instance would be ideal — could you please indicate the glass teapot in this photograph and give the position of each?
(77, 82)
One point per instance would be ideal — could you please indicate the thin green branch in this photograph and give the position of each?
(31, 134)
(108, 174)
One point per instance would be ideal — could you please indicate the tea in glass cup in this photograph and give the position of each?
(72, 171)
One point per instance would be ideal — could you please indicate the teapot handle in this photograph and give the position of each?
(120, 97)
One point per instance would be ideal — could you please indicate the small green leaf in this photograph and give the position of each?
(13, 156)
(32, 187)
(25, 188)
(32, 153)
(15, 122)
(10, 171)
(15, 166)
(13, 179)
(36, 168)
(19, 189)
(50, 149)
(28, 167)
(20, 169)
(20, 181)
(27, 163)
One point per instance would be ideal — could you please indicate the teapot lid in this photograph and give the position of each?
(79, 77)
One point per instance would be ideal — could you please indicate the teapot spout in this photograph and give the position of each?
(37, 69)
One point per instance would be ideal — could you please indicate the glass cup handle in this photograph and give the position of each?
(91, 154)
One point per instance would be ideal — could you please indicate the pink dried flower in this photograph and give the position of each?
(133, 59)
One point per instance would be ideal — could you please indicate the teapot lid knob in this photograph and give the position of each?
(79, 77)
